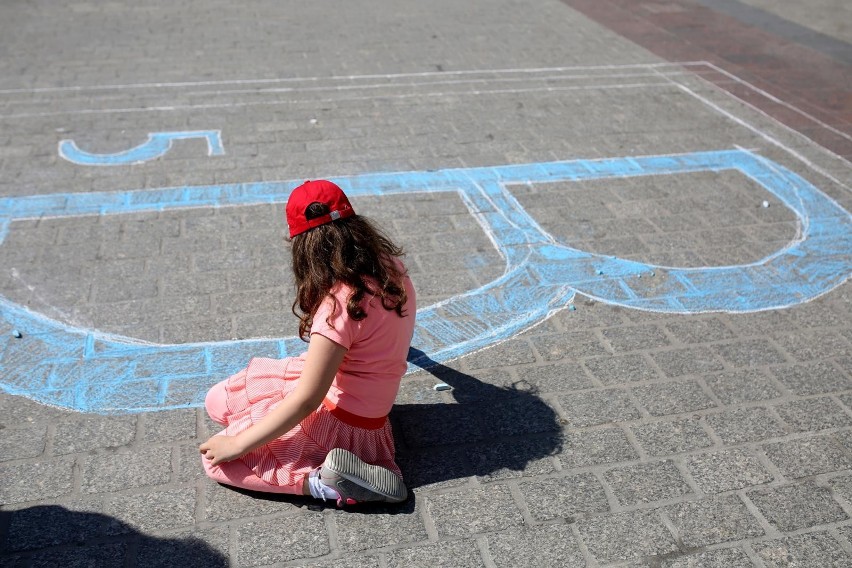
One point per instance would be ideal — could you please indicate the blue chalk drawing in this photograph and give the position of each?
(92, 371)
(157, 145)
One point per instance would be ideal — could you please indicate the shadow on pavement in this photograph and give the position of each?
(56, 536)
(490, 431)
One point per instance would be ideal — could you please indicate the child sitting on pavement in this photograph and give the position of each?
(317, 424)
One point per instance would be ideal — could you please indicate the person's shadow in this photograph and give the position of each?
(51, 535)
(490, 430)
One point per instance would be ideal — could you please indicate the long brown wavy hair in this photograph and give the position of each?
(351, 251)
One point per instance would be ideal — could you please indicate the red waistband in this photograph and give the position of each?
(354, 419)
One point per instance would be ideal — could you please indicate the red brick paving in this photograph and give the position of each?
(677, 30)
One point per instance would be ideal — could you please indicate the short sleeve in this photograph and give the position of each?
(339, 328)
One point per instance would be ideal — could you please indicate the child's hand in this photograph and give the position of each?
(220, 449)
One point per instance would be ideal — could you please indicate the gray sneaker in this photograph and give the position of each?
(358, 482)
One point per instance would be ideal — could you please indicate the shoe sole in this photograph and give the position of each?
(377, 479)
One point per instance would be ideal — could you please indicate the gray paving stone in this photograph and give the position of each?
(432, 287)
(104, 473)
(463, 513)
(96, 555)
(671, 437)
(646, 483)
(745, 385)
(674, 397)
(809, 345)
(509, 459)
(14, 561)
(185, 284)
(170, 426)
(813, 414)
(209, 547)
(571, 345)
(842, 486)
(620, 369)
(462, 553)
(749, 424)
(51, 525)
(597, 447)
(846, 532)
(280, 539)
(546, 327)
(820, 377)
(222, 503)
(260, 325)
(548, 545)
(749, 353)
(44, 479)
(440, 467)
(793, 507)
(725, 470)
(713, 521)
(597, 407)
(810, 549)
(589, 314)
(188, 467)
(117, 249)
(845, 363)
(83, 432)
(625, 536)
(256, 301)
(347, 561)
(694, 360)
(554, 378)
(564, 497)
(419, 391)
(383, 526)
(132, 314)
(21, 443)
(809, 456)
(497, 377)
(716, 558)
(508, 353)
(151, 510)
(699, 329)
(634, 338)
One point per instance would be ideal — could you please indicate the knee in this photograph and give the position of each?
(216, 403)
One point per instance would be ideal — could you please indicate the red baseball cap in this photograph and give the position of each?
(317, 191)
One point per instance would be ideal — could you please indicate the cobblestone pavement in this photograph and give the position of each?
(603, 436)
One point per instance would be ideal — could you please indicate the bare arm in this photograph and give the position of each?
(321, 364)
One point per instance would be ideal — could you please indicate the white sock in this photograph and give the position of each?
(320, 490)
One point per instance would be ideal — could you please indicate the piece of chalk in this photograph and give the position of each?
(600, 272)
(16, 333)
(442, 387)
(572, 308)
(766, 204)
(652, 274)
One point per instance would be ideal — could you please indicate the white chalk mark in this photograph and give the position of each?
(766, 136)
(315, 101)
(45, 305)
(389, 76)
(775, 99)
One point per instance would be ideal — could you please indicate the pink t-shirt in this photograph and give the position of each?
(377, 348)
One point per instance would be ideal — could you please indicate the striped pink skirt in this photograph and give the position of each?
(282, 465)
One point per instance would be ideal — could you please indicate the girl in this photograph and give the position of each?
(317, 424)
